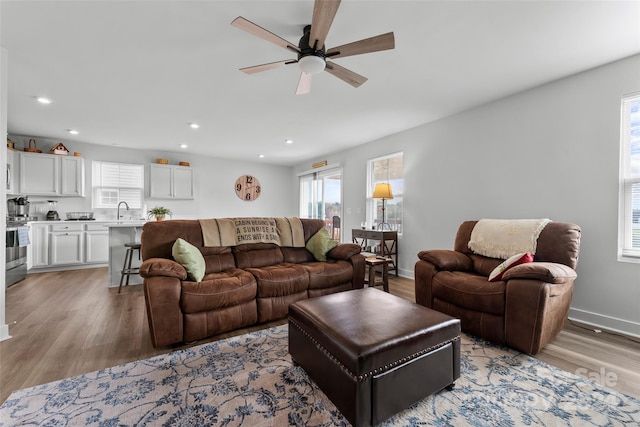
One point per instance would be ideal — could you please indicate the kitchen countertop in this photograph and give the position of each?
(112, 222)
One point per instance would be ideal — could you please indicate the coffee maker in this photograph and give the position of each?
(52, 215)
(18, 208)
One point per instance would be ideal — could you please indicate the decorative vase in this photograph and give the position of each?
(159, 217)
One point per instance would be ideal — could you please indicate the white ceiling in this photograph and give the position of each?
(135, 73)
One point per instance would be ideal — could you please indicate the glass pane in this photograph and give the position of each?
(388, 170)
(635, 216)
(306, 197)
(635, 138)
(332, 185)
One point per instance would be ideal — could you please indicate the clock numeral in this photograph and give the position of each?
(247, 196)
(249, 179)
(257, 189)
(238, 187)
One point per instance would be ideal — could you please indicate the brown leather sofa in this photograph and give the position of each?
(525, 310)
(243, 284)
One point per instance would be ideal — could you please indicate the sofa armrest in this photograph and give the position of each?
(154, 267)
(547, 272)
(162, 300)
(446, 260)
(344, 251)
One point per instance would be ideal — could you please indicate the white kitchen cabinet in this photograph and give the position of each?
(51, 175)
(66, 244)
(38, 250)
(170, 182)
(72, 176)
(11, 172)
(96, 243)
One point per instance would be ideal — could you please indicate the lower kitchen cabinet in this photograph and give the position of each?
(68, 244)
(38, 250)
(96, 243)
(66, 248)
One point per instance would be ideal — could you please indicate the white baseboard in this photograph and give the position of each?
(600, 321)
(408, 274)
(4, 332)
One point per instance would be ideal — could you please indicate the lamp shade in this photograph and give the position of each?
(311, 64)
(382, 191)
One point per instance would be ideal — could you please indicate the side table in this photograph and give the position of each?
(373, 263)
(386, 243)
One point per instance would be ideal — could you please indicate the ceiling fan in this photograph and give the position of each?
(312, 55)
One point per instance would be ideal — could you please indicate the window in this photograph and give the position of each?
(321, 197)
(629, 222)
(116, 182)
(387, 169)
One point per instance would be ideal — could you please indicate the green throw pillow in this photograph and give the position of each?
(320, 244)
(190, 257)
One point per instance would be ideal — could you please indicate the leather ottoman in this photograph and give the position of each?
(372, 353)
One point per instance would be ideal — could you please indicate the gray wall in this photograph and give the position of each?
(214, 181)
(552, 151)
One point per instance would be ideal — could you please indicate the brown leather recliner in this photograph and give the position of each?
(525, 310)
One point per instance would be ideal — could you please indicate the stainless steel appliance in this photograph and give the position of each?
(16, 250)
(22, 206)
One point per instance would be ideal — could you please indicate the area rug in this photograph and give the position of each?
(250, 380)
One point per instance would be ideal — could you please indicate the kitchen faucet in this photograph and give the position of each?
(118, 214)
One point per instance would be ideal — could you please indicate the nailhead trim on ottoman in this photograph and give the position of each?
(372, 353)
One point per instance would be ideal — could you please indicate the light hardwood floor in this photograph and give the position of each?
(69, 323)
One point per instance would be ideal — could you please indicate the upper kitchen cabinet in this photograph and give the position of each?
(170, 182)
(51, 175)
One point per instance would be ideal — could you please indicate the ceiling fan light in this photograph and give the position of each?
(311, 64)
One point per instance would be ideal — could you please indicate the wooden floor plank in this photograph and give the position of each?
(70, 323)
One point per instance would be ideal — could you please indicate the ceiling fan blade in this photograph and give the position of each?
(348, 76)
(323, 13)
(372, 44)
(267, 35)
(264, 67)
(304, 84)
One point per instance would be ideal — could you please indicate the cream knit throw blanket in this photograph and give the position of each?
(503, 238)
(238, 231)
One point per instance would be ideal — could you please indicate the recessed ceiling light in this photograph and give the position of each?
(43, 100)
(288, 141)
(194, 125)
(261, 156)
(183, 145)
(73, 131)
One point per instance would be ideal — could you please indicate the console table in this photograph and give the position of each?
(386, 242)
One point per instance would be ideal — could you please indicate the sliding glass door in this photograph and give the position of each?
(321, 198)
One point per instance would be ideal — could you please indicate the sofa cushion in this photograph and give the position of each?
(297, 255)
(510, 262)
(190, 258)
(328, 274)
(257, 255)
(218, 290)
(280, 279)
(470, 291)
(484, 265)
(320, 244)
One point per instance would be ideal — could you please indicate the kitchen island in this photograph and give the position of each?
(120, 233)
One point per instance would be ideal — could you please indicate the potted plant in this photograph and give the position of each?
(159, 212)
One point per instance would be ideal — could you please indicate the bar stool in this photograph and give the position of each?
(128, 257)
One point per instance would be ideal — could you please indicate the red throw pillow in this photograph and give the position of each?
(518, 259)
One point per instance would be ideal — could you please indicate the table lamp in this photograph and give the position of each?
(383, 191)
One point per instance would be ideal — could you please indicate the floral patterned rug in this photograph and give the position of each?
(250, 380)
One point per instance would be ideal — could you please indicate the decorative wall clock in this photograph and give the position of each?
(248, 188)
